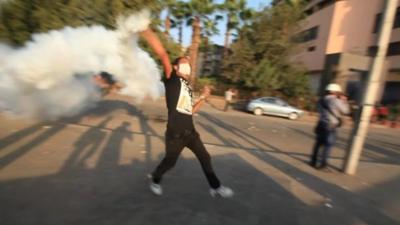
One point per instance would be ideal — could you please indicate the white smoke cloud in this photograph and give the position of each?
(51, 76)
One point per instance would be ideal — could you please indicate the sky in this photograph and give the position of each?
(218, 39)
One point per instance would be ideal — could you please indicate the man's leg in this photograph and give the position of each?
(226, 106)
(317, 145)
(328, 144)
(174, 147)
(197, 147)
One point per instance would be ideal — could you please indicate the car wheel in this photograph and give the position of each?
(293, 116)
(258, 111)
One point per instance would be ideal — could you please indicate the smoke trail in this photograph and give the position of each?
(51, 76)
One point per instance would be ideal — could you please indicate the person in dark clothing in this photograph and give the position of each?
(181, 132)
(330, 107)
(180, 128)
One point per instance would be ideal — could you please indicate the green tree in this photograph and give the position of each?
(168, 5)
(260, 59)
(263, 76)
(236, 12)
(16, 21)
(241, 60)
(179, 13)
(20, 19)
(200, 11)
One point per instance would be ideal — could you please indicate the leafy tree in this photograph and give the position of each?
(260, 59)
(199, 12)
(16, 21)
(179, 13)
(263, 76)
(169, 5)
(236, 13)
(19, 19)
(241, 60)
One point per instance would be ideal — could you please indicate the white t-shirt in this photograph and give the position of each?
(228, 95)
(185, 104)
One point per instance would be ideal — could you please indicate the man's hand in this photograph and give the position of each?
(206, 91)
(343, 97)
(204, 94)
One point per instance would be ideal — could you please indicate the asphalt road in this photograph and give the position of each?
(91, 169)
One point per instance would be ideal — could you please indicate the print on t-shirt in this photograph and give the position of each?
(185, 98)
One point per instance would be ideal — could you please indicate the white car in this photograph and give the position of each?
(273, 106)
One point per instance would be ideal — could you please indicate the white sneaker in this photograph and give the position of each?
(155, 188)
(222, 191)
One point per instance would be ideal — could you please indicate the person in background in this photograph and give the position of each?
(331, 107)
(228, 98)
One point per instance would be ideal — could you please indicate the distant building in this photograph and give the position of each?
(338, 42)
(210, 62)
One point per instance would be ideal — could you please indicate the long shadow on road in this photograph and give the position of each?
(118, 194)
(86, 146)
(347, 201)
(16, 136)
(373, 150)
(20, 151)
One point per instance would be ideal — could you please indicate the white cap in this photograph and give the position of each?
(333, 87)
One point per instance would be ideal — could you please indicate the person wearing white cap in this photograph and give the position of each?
(331, 107)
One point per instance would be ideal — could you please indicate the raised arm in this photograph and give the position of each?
(204, 95)
(155, 43)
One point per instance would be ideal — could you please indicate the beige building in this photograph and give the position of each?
(338, 42)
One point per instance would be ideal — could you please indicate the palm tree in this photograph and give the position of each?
(169, 5)
(179, 12)
(199, 13)
(236, 13)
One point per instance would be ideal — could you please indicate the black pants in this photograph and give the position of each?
(175, 143)
(325, 137)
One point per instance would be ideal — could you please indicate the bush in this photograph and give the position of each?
(203, 81)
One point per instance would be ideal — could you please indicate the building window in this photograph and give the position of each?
(307, 35)
(318, 6)
(393, 49)
(372, 51)
(396, 23)
(325, 3)
(309, 11)
(378, 21)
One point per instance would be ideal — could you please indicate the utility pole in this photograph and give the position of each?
(374, 82)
